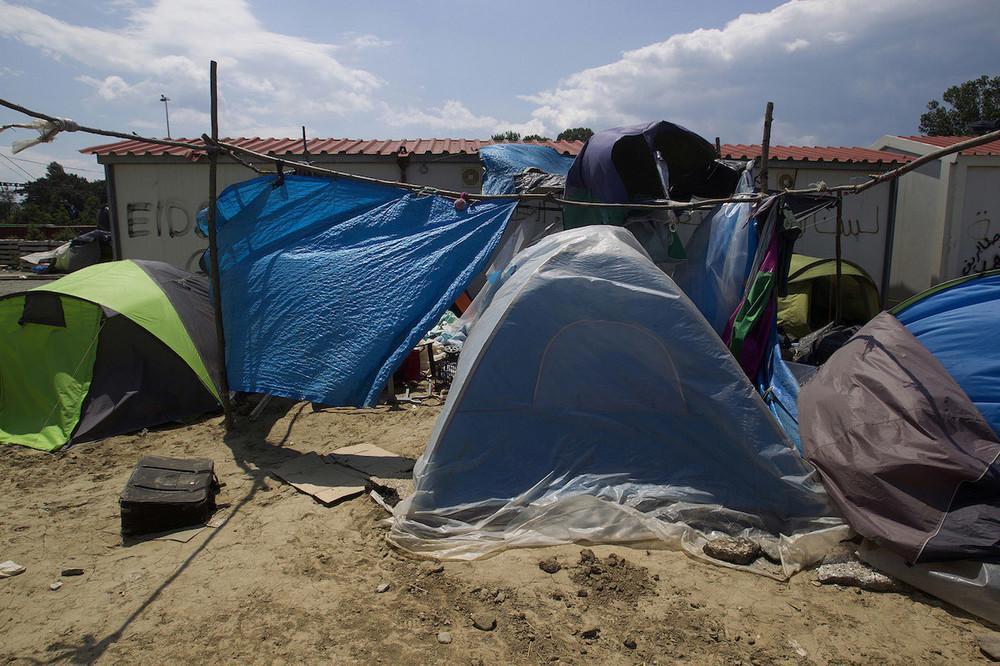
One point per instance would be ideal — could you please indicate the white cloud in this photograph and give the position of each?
(365, 41)
(823, 62)
(109, 88)
(165, 47)
(454, 117)
(451, 115)
(793, 46)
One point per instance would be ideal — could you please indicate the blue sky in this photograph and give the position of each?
(841, 72)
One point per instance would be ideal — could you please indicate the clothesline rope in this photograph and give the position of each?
(232, 150)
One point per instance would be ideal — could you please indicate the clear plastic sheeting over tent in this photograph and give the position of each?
(593, 403)
(329, 283)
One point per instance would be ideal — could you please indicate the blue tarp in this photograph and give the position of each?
(959, 326)
(504, 161)
(328, 284)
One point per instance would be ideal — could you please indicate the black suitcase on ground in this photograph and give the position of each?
(168, 493)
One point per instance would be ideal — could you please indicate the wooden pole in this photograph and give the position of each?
(213, 247)
(838, 295)
(718, 147)
(765, 146)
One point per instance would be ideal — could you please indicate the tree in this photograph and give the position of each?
(61, 198)
(969, 108)
(575, 134)
(535, 137)
(509, 135)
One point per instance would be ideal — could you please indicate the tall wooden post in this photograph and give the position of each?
(765, 146)
(837, 291)
(213, 247)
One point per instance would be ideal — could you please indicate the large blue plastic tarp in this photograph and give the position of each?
(328, 283)
(959, 326)
(504, 161)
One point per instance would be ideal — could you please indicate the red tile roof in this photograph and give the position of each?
(991, 148)
(323, 147)
(816, 154)
(471, 146)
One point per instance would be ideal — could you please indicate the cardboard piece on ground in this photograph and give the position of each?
(328, 483)
(373, 461)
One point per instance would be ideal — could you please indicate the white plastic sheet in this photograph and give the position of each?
(593, 403)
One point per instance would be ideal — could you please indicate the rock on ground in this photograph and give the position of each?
(852, 573)
(736, 551)
(550, 565)
(484, 621)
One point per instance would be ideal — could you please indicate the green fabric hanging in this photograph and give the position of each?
(751, 310)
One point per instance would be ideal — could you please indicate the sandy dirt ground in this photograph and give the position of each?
(287, 580)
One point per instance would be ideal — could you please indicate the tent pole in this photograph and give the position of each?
(213, 246)
(837, 292)
(765, 146)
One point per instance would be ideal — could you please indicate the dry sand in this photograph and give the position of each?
(287, 580)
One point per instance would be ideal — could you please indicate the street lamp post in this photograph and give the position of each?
(166, 109)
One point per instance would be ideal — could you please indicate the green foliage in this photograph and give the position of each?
(509, 135)
(57, 198)
(575, 134)
(535, 137)
(970, 102)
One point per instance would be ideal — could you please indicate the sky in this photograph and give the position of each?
(840, 72)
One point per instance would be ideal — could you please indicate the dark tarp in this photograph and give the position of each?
(190, 296)
(906, 456)
(620, 166)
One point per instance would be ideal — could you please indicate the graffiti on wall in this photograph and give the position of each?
(167, 217)
(987, 247)
(852, 226)
(162, 220)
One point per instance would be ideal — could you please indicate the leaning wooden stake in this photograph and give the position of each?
(213, 247)
(765, 146)
(838, 292)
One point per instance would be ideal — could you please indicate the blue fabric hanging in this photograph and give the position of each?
(328, 283)
(503, 161)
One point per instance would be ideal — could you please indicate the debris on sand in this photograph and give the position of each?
(849, 572)
(989, 645)
(549, 566)
(738, 550)
(56, 585)
(629, 643)
(382, 587)
(590, 633)
(484, 621)
(10, 568)
(444, 637)
(72, 571)
(611, 579)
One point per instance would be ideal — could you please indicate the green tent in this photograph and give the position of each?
(109, 349)
(810, 302)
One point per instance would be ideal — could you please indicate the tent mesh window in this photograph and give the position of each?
(43, 308)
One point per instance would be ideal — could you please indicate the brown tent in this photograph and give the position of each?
(904, 453)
